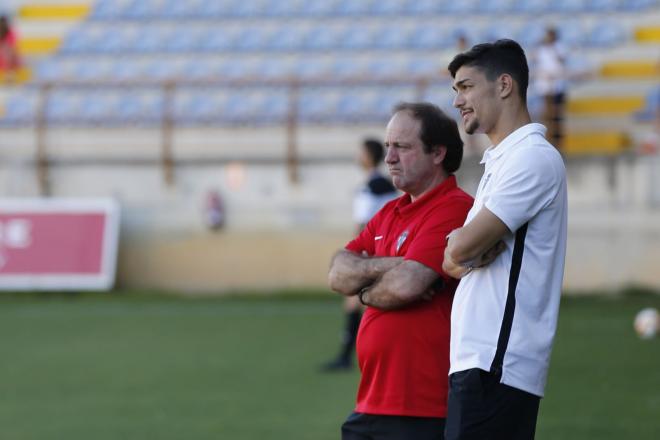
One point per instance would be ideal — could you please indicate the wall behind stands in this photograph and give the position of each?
(280, 234)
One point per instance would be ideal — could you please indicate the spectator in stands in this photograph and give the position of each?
(550, 81)
(368, 200)
(10, 60)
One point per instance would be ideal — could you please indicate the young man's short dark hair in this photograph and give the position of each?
(374, 149)
(437, 129)
(494, 59)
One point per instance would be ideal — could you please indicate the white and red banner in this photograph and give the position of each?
(58, 244)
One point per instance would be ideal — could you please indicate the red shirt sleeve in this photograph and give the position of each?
(364, 242)
(428, 247)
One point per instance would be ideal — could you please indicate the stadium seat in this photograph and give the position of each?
(354, 8)
(312, 67)
(422, 7)
(530, 34)
(20, 108)
(387, 8)
(348, 67)
(321, 38)
(198, 105)
(317, 104)
(602, 5)
(494, 6)
(606, 34)
(638, 5)
(326, 8)
(651, 106)
(356, 38)
(428, 37)
(286, 39)
(273, 106)
(567, 7)
(529, 6)
(391, 38)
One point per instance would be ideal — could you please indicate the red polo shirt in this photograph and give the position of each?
(404, 354)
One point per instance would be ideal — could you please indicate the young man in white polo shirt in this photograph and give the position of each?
(509, 254)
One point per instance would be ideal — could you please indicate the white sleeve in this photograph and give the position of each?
(528, 182)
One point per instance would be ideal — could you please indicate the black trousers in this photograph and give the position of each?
(482, 408)
(376, 427)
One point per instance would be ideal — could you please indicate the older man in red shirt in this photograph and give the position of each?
(395, 268)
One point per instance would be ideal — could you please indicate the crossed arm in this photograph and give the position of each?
(474, 245)
(385, 282)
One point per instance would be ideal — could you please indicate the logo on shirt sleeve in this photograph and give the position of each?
(401, 240)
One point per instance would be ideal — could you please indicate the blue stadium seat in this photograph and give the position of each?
(571, 33)
(424, 67)
(199, 68)
(423, 7)
(348, 67)
(83, 39)
(602, 5)
(327, 8)
(198, 105)
(281, 8)
(460, 7)
(494, 6)
(52, 69)
(114, 40)
(388, 7)
(273, 106)
(20, 108)
(312, 67)
(391, 38)
(109, 9)
(651, 107)
(185, 42)
(140, 107)
(385, 67)
(90, 69)
(530, 6)
(321, 38)
(530, 34)
(606, 34)
(286, 38)
(638, 5)
(353, 105)
(217, 40)
(250, 39)
(354, 8)
(356, 38)
(568, 7)
(428, 37)
(317, 104)
(497, 31)
(274, 68)
(64, 105)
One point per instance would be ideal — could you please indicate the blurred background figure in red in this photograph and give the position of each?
(10, 60)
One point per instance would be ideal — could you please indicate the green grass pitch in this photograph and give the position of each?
(137, 366)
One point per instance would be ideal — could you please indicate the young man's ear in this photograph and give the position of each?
(505, 85)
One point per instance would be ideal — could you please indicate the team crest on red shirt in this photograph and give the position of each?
(401, 240)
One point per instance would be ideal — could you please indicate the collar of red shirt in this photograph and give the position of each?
(406, 207)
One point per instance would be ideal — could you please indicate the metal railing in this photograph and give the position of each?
(168, 123)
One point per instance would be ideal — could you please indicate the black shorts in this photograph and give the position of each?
(360, 426)
(482, 408)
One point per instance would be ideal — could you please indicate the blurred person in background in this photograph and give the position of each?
(509, 254)
(394, 267)
(551, 83)
(10, 61)
(368, 200)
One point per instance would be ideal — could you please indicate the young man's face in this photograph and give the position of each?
(410, 166)
(476, 99)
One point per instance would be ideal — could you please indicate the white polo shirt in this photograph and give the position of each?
(504, 315)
